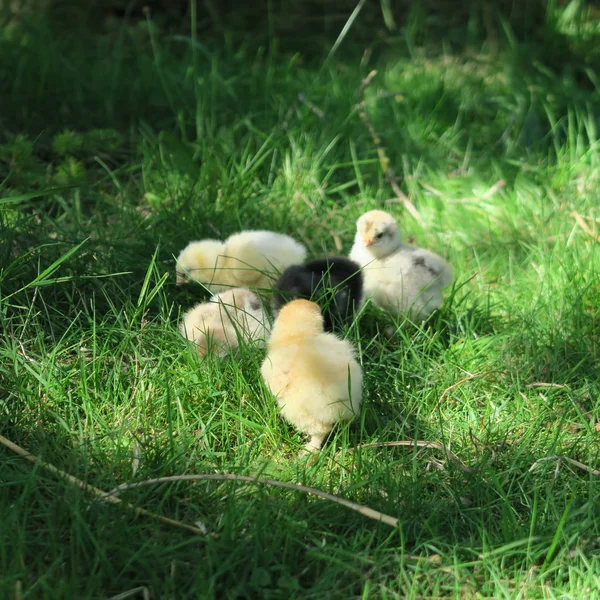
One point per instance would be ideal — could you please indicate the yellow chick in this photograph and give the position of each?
(246, 259)
(197, 261)
(224, 319)
(397, 277)
(314, 375)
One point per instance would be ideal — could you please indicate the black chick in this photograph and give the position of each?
(335, 283)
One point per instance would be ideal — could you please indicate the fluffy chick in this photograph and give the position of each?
(314, 375)
(220, 322)
(246, 259)
(335, 283)
(399, 278)
(197, 261)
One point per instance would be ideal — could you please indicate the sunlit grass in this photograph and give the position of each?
(500, 159)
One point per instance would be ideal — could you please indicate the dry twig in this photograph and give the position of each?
(541, 384)
(581, 222)
(455, 385)
(145, 592)
(333, 234)
(572, 461)
(359, 508)
(383, 159)
(312, 107)
(94, 491)
(497, 186)
(424, 444)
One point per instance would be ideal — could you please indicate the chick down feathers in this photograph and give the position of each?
(246, 259)
(335, 283)
(399, 278)
(220, 323)
(314, 375)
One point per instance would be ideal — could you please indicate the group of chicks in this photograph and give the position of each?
(312, 372)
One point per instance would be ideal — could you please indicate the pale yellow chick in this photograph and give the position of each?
(399, 278)
(314, 375)
(247, 259)
(224, 319)
(197, 261)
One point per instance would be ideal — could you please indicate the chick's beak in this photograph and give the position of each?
(368, 241)
(180, 280)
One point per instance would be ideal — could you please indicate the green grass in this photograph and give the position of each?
(118, 147)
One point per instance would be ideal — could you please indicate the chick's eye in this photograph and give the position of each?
(379, 235)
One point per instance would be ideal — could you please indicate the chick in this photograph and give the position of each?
(399, 278)
(246, 259)
(313, 374)
(220, 322)
(197, 261)
(335, 283)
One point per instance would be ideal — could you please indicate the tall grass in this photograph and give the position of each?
(117, 152)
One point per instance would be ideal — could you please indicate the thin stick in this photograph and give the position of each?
(596, 219)
(363, 510)
(497, 186)
(24, 352)
(424, 444)
(335, 236)
(581, 222)
(575, 463)
(133, 592)
(455, 385)
(541, 384)
(383, 159)
(313, 107)
(94, 491)
(431, 189)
